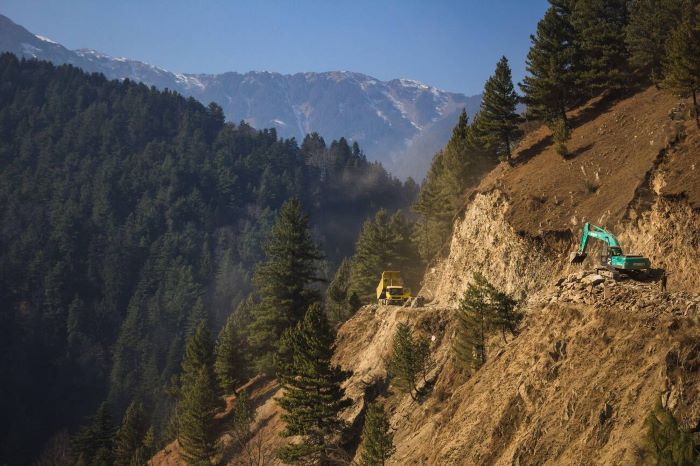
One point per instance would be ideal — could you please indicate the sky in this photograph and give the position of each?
(451, 44)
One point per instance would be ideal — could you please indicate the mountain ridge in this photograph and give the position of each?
(400, 122)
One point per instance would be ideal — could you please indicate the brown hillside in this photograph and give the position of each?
(612, 149)
(633, 169)
(572, 388)
(590, 359)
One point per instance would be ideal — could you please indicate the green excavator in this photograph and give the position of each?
(613, 259)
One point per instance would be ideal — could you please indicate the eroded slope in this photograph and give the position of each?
(573, 387)
(633, 169)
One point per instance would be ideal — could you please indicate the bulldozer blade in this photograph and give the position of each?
(577, 257)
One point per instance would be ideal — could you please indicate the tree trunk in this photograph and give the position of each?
(508, 153)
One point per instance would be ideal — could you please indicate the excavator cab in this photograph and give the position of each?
(614, 257)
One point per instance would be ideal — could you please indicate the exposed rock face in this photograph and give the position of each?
(484, 241)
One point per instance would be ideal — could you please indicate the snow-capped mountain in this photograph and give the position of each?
(400, 122)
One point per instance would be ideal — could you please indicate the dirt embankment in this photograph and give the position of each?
(572, 388)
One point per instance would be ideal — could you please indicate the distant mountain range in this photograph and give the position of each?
(400, 123)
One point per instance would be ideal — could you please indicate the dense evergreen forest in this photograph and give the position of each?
(152, 256)
(128, 216)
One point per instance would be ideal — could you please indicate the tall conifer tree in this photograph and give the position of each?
(499, 120)
(199, 399)
(230, 362)
(93, 443)
(199, 353)
(377, 439)
(682, 67)
(313, 396)
(284, 281)
(649, 26)
(552, 64)
(340, 303)
(473, 320)
(482, 310)
(129, 448)
(409, 359)
(196, 431)
(600, 36)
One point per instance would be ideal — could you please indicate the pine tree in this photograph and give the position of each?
(505, 316)
(552, 66)
(129, 447)
(199, 354)
(199, 399)
(665, 443)
(339, 296)
(241, 418)
(230, 363)
(600, 37)
(482, 309)
(682, 66)
(456, 161)
(313, 396)
(93, 444)
(649, 26)
(377, 439)
(409, 359)
(196, 431)
(284, 281)
(499, 120)
(147, 449)
(473, 317)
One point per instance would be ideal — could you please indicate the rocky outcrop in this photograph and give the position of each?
(484, 241)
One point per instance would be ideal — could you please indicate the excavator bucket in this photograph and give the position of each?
(577, 257)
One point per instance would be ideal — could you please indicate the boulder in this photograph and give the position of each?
(595, 279)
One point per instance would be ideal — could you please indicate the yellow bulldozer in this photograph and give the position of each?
(391, 290)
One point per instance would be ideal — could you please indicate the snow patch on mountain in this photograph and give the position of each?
(384, 117)
(45, 39)
(190, 82)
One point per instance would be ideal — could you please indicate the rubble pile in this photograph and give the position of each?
(591, 288)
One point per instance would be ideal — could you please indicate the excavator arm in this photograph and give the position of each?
(596, 232)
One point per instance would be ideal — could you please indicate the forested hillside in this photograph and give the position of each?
(129, 214)
(511, 354)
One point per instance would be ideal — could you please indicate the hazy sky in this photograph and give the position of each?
(453, 45)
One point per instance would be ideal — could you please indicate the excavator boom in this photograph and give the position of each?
(616, 258)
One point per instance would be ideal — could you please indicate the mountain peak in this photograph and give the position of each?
(400, 122)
